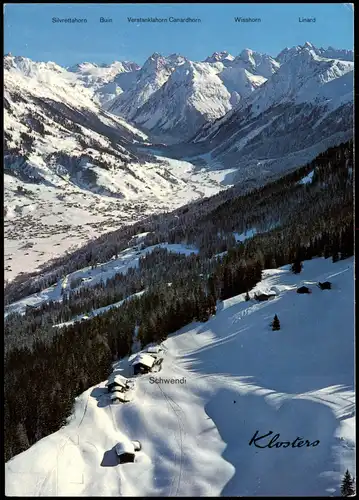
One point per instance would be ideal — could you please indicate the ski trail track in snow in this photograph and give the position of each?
(67, 438)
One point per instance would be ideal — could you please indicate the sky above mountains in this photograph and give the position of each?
(31, 32)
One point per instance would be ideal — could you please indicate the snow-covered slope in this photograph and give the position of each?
(228, 386)
(57, 111)
(43, 221)
(57, 137)
(240, 82)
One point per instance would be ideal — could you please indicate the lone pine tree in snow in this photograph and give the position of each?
(297, 266)
(347, 488)
(275, 323)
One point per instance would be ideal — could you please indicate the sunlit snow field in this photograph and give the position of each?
(240, 377)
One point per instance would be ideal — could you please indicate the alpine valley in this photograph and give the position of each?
(90, 148)
(193, 218)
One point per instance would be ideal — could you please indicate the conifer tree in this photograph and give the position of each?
(335, 257)
(347, 488)
(211, 304)
(247, 296)
(297, 266)
(275, 323)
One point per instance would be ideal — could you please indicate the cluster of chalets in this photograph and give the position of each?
(120, 387)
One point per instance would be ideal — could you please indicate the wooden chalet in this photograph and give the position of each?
(264, 296)
(325, 286)
(125, 452)
(143, 363)
(118, 383)
(154, 351)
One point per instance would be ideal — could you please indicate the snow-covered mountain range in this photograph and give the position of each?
(173, 96)
(171, 99)
(55, 132)
(305, 107)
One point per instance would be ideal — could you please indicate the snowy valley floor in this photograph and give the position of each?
(240, 377)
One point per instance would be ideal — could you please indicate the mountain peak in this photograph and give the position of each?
(78, 66)
(329, 53)
(155, 55)
(175, 56)
(219, 57)
(176, 59)
(290, 52)
(246, 54)
(155, 60)
(256, 63)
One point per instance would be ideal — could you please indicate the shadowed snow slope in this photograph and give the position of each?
(240, 377)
